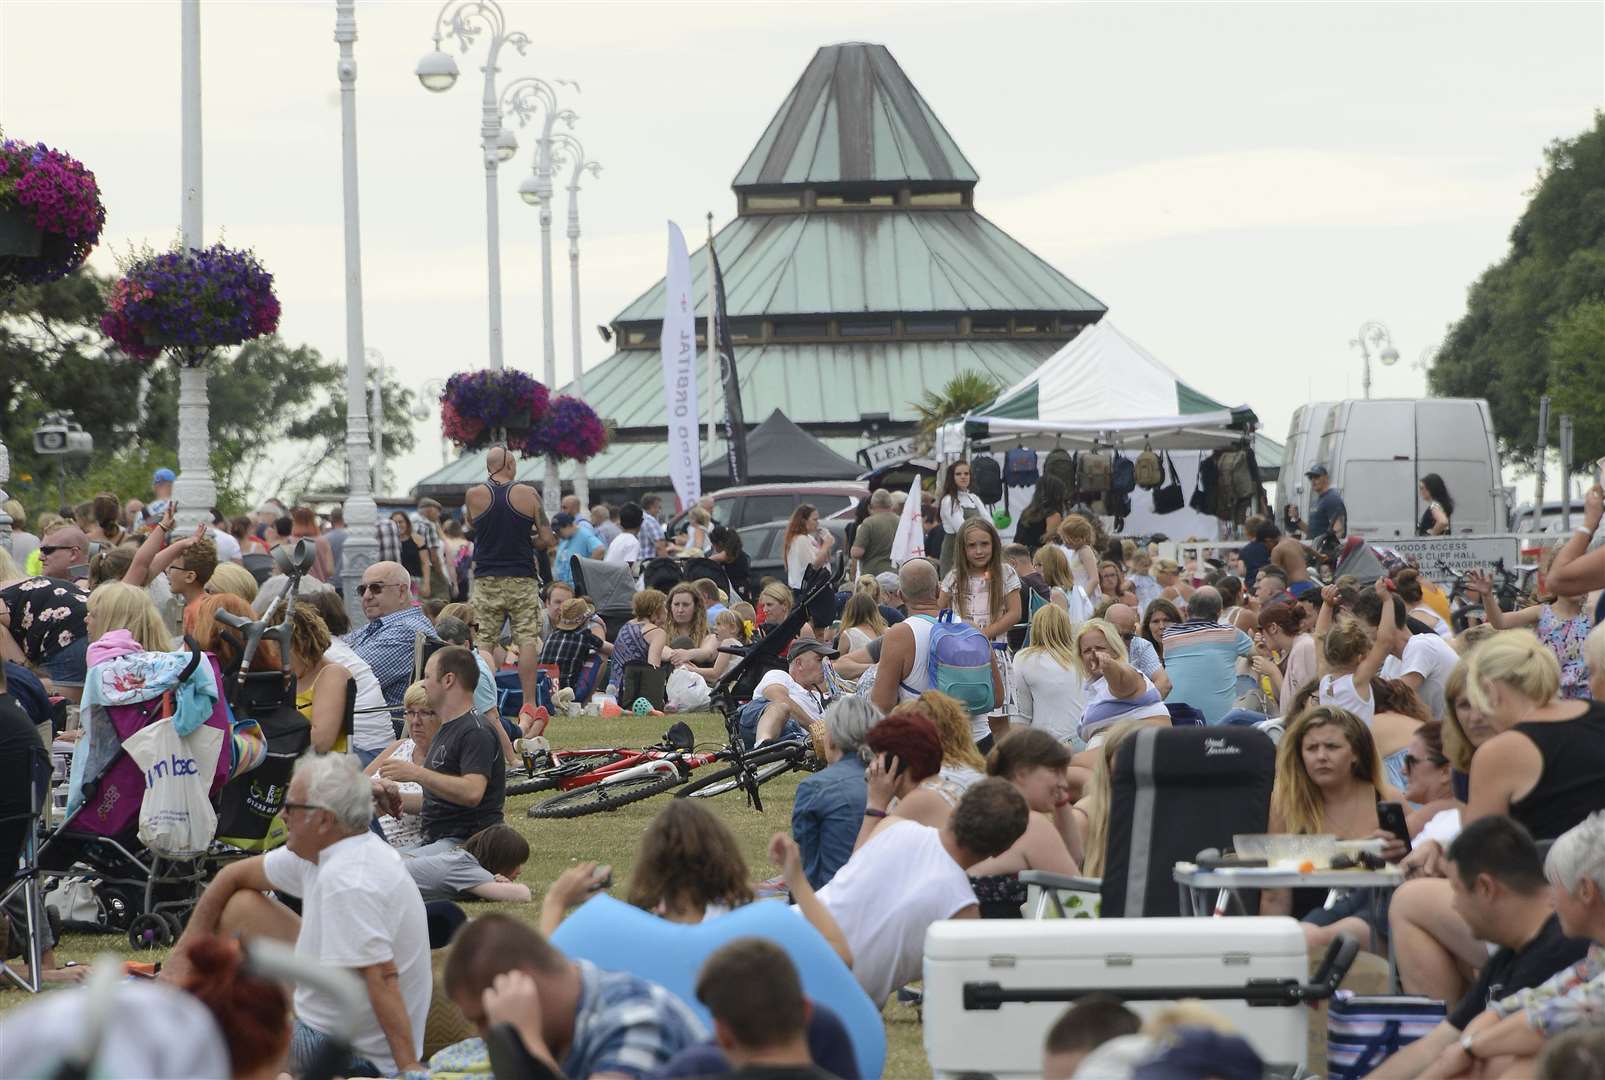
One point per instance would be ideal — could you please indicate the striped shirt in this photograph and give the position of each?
(1103, 708)
(1201, 660)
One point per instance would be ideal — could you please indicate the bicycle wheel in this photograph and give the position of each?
(764, 767)
(572, 765)
(594, 798)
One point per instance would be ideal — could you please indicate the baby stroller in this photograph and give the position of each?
(249, 819)
(139, 889)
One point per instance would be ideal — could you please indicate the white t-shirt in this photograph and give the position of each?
(978, 597)
(371, 728)
(1429, 656)
(624, 550)
(1338, 690)
(1048, 695)
(359, 907)
(228, 548)
(805, 699)
(887, 896)
(800, 556)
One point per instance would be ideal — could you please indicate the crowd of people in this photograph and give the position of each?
(942, 782)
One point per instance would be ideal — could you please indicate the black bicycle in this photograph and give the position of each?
(1465, 604)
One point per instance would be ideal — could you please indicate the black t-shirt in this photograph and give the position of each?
(1254, 555)
(1510, 970)
(462, 747)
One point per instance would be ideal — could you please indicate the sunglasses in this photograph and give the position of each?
(51, 549)
(1411, 761)
(374, 587)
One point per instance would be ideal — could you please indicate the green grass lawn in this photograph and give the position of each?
(610, 838)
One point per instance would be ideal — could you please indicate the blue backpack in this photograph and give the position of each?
(960, 663)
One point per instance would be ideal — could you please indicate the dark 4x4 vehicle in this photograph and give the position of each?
(762, 545)
(756, 504)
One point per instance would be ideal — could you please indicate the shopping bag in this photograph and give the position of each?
(687, 691)
(176, 818)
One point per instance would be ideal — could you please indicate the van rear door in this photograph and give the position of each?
(1452, 440)
(1371, 448)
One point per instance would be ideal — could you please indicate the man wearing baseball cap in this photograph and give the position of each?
(161, 485)
(574, 537)
(786, 703)
(1329, 514)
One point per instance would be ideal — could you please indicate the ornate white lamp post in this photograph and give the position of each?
(521, 99)
(437, 71)
(576, 153)
(195, 490)
(362, 543)
(376, 407)
(1376, 336)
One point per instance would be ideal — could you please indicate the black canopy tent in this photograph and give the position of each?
(779, 451)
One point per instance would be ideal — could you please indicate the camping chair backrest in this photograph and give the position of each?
(610, 587)
(1176, 791)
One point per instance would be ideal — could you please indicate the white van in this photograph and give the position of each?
(1377, 450)
(1303, 450)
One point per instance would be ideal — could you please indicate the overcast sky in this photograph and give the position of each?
(1242, 184)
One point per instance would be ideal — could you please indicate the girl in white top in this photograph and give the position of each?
(1350, 659)
(957, 498)
(1076, 537)
(984, 591)
(1048, 687)
(861, 623)
(956, 505)
(806, 544)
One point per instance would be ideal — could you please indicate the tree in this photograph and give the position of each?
(277, 410)
(1533, 323)
(965, 391)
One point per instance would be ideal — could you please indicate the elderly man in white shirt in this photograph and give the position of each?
(359, 910)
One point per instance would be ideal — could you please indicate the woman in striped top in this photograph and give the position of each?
(1115, 689)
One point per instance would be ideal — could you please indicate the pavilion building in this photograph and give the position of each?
(858, 275)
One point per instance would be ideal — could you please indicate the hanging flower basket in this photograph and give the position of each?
(571, 430)
(190, 302)
(50, 214)
(479, 408)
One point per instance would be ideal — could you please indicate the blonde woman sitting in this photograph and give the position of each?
(1049, 688)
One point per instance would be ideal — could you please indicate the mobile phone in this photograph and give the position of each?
(891, 765)
(601, 878)
(1390, 815)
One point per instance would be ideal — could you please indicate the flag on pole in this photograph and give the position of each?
(678, 343)
(735, 426)
(909, 543)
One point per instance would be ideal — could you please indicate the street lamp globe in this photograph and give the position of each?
(437, 71)
(529, 189)
(506, 145)
(1389, 356)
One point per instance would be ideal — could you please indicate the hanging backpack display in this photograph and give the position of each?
(1204, 488)
(986, 479)
(1171, 497)
(1092, 473)
(1122, 476)
(1236, 476)
(1150, 472)
(1020, 467)
(1061, 466)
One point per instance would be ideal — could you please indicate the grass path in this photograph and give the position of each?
(609, 838)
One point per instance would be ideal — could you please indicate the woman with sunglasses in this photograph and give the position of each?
(1429, 776)
(413, 746)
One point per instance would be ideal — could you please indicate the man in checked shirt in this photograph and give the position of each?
(1505, 1040)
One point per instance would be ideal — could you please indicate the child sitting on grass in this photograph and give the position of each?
(485, 867)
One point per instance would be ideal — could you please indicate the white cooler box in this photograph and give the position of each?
(970, 964)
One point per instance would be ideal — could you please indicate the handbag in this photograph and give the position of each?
(1171, 497)
(1362, 1031)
